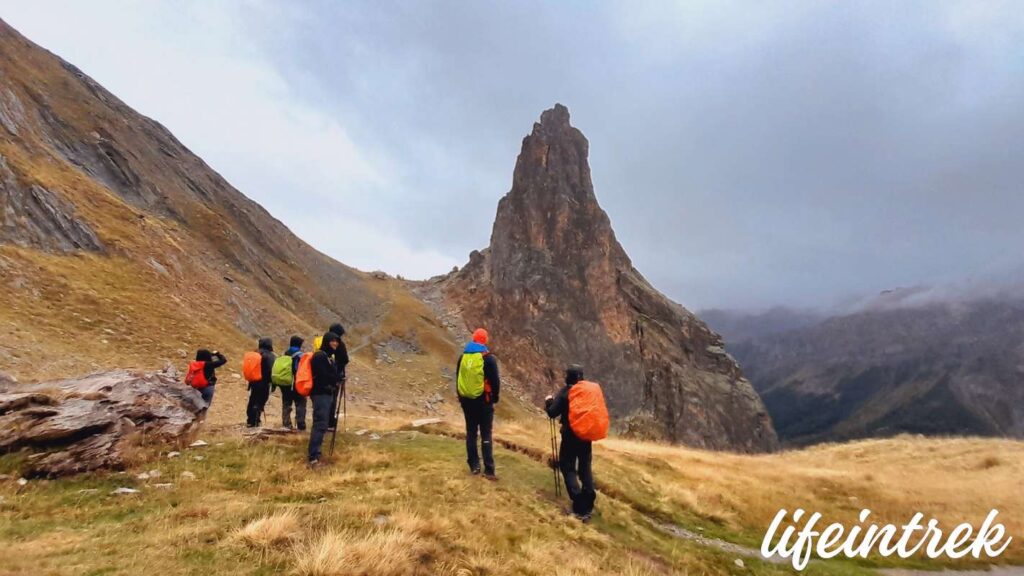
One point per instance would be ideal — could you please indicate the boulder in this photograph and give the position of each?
(96, 421)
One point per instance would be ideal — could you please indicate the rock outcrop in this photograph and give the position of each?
(34, 217)
(555, 287)
(94, 422)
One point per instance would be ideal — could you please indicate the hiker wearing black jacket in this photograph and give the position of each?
(259, 392)
(212, 361)
(478, 386)
(340, 362)
(575, 457)
(325, 391)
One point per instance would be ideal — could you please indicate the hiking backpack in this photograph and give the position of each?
(196, 375)
(471, 376)
(281, 372)
(588, 414)
(304, 375)
(252, 367)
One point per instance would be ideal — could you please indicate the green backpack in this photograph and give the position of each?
(281, 372)
(471, 376)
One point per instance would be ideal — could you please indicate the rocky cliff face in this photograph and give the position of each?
(555, 287)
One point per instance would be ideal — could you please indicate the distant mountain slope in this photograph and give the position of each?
(737, 326)
(118, 246)
(555, 286)
(941, 368)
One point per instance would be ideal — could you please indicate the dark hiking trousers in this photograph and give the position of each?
(259, 392)
(207, 394)
(321, 418)
(575, 461)
(479, 419)
(289, 398)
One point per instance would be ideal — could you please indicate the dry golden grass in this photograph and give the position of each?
(953, 479)
(384, 552)
(405, 505)
(270, 532)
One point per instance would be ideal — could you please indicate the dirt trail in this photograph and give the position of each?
(684, 534)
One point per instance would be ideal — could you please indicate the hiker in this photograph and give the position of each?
(478, 386)
(283, 377)
(590, 418)
(257, 368)
(210, 362)
(340, 362)
(324, 393)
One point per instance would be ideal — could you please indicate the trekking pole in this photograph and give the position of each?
(344, 404)
(554, 457)
(337, 409)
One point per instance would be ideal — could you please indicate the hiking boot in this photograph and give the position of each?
(491, 476)
(474, 471)
(314, 464)
(585, 518)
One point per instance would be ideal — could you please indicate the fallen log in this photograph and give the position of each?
(97, 421)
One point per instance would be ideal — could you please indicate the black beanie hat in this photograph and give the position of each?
(573, 374)
(295, 342)
(338, 329)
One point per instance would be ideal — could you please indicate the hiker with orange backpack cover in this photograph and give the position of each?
(581, 408)
(257, 368)
(202, 373)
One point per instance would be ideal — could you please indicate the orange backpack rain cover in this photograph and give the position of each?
(196, 376)
(304, 376)
(588, 415)
(252, 367)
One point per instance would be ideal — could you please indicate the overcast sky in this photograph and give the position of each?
(748, 153)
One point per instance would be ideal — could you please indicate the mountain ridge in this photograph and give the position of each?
(105, 211)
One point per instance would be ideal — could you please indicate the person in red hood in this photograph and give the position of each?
(479, 386)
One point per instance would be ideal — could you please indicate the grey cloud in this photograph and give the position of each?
(839, 149)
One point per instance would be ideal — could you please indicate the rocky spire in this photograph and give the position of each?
(556, 287)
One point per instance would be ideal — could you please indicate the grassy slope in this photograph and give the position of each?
(409, 489)
(182, 270)
(404, 504)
